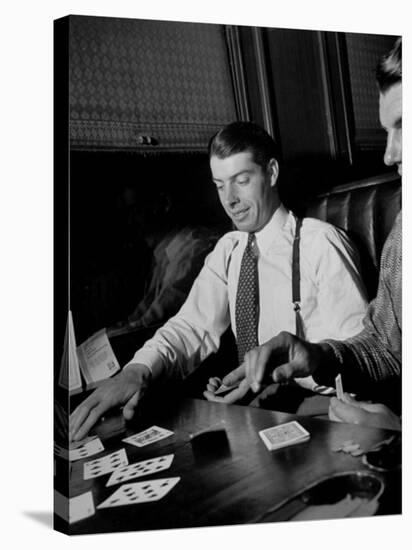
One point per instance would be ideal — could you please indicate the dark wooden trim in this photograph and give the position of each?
(262, 76)
(339, 107)
(390, 177)
(237, 69)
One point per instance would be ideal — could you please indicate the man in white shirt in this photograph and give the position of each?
(245, 172)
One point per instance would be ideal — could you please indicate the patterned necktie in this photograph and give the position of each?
(247, 301)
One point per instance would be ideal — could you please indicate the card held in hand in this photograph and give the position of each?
(137, 493)
(151, 435)
(339, 387)
(284, 435)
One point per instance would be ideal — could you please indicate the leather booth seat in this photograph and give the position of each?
(366, 210)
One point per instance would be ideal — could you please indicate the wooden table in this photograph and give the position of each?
(233, 483)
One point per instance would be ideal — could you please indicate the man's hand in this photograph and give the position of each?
(283, 357)
(124, 389)
(237, 376)
(360, 412)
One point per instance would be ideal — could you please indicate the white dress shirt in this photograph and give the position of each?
(333, 301)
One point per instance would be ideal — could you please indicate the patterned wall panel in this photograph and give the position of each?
(128, 78)
(364, 52)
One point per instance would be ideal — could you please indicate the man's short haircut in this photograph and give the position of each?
(389, 69)
(239, 137)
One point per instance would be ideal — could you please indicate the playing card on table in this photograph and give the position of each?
(139, 469)
(148, 436)
(81, 507)
(290, 433)
(143, 491)
(90, 448)
(105, 465)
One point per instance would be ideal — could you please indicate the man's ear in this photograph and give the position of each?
(273, 169)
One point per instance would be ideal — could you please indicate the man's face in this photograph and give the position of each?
(390, 113)
(245, 189)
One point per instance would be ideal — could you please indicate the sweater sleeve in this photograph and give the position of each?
(374, 355)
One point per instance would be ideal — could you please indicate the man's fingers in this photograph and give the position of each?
(129, 408)
(285, 372)
(343, 412)
(89, 422)
(210, 396)
(79, 415)
(257, 361)
(237, 393)
(230, 397)
(235, 376)
(214, 383)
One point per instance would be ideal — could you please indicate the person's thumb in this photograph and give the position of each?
(285, 372)
(129, 408)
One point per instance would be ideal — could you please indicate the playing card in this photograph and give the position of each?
(225, 389)
(290, 433)
(143, 491)
(88, 449)
(81, 507)
(148, 436)
(77, 444)
(339, 387)
(105, 465)
(139, 469)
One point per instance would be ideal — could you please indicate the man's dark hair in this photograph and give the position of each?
(389, 69)
(239, 137)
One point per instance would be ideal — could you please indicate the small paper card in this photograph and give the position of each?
(139, 469)
(74, 509)
(96, 359)
(143, 491)
(284, 435)
(105, 465)
(89, 448)
(339, 387)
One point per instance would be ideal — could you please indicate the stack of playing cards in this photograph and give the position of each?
(284, 435)
(151, 435)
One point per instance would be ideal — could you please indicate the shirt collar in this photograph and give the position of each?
(272, 229)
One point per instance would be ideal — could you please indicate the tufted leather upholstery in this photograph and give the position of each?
(366, 209)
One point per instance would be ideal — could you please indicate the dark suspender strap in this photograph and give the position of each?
(296, 278)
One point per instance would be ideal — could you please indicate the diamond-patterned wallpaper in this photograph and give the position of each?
(168, 80)
(364, 52)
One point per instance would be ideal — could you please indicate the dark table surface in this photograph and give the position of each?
(224, 482)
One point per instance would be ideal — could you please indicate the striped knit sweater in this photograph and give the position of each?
(372, 358)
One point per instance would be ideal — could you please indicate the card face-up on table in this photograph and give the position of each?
(90, 448)
(105, 465)
(81, 507)
(139, 469)
(143, 491)
(151, 435)
(284, 435)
